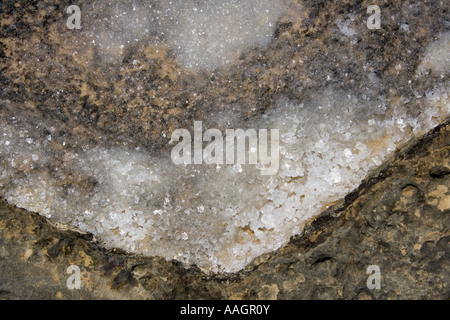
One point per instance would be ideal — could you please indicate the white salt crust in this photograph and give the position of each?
(219, 217)
(203, 34)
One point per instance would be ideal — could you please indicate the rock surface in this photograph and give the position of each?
(398, 219)
(137, 95)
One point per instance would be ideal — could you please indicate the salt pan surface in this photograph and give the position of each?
(203, 34)
(218, 217)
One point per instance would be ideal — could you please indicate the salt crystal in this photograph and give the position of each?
(148, 205)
